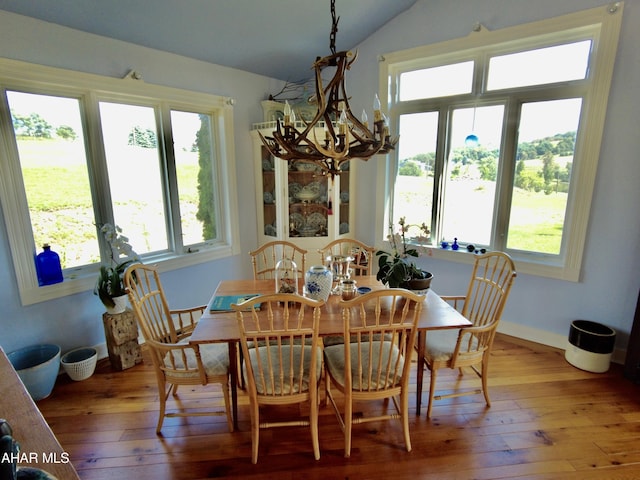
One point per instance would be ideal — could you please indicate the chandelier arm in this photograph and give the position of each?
(331, 145)
(332, 89)
(290, 152)
(370, 144)
(332, 153)
(322, 112)
(268, 143)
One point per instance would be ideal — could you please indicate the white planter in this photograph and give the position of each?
(80, 363)
(120, 305)
(590, 346)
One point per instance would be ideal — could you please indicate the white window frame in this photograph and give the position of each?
(91, 89)
(602, 26)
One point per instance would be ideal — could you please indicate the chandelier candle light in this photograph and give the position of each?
(345, 136)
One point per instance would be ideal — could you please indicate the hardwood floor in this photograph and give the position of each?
(548, 420)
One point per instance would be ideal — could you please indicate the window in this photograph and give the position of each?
(500, 136)
(80, 151)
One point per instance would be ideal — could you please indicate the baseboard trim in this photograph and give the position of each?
(548, 338)
(508, 328)
(102, 350)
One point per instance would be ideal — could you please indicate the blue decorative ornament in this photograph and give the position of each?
(471, 140)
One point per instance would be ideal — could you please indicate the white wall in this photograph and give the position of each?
(76, 321)
(540, 309)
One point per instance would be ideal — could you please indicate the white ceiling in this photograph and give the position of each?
(277, 38)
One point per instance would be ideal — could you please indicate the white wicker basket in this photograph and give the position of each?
(80, 363)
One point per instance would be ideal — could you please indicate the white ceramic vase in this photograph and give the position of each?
(317, 281)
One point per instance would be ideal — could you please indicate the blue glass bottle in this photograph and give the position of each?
(48, 267)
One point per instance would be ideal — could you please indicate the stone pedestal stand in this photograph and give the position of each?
(121, 332)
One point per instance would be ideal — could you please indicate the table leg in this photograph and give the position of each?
(422, 339)
(233, 372)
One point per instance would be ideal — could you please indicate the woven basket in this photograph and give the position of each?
(80, 363)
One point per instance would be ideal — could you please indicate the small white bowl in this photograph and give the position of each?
(307, 194)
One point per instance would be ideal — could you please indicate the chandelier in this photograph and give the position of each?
(343, 137)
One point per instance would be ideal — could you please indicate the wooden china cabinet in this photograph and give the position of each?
(295, 201)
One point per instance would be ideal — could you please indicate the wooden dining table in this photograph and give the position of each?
(222, 326)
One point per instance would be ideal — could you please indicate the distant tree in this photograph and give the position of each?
(526, 151)
(31, 126)
(565, 147)
(145, 138)
(488, 168)
(550, 173)
(66, 132)
(409, 168)
(206, 207)
(565, 176)
(543, 147)
(550, 168)
(530, 180)
(428, 159)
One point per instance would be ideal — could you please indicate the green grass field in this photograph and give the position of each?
(536, 221)
(56, 180)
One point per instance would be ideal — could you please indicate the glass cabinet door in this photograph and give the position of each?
(343, 198)
(308, 201)
(269, 194)
(297, 201)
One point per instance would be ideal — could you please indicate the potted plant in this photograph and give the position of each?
(395, 269)
(110, 283)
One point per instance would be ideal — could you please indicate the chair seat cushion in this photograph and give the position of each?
(333, 340)
(441, 344)
(215, 359)
(284, 386)
(335, 362)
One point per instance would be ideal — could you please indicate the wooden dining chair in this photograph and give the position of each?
(375, 364)
(265, 258)
(362, 254)
(491, 280)
(362, 264)
(166, 334)
(282, 359)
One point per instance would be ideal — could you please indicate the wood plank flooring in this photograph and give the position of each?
(548, 420)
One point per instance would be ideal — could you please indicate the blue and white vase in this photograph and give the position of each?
(318, 281)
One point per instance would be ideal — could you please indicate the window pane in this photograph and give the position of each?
(50, 141)
(441, 81)
(413, 193)
(470, 182)
(537, 67)
(193, 146)
(135, 178)
(546, 145)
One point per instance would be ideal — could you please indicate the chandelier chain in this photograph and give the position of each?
(334, 28)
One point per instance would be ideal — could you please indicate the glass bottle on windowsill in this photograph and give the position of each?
(48, 267)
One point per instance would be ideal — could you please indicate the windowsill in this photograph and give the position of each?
(523, 263)
(85, 281)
